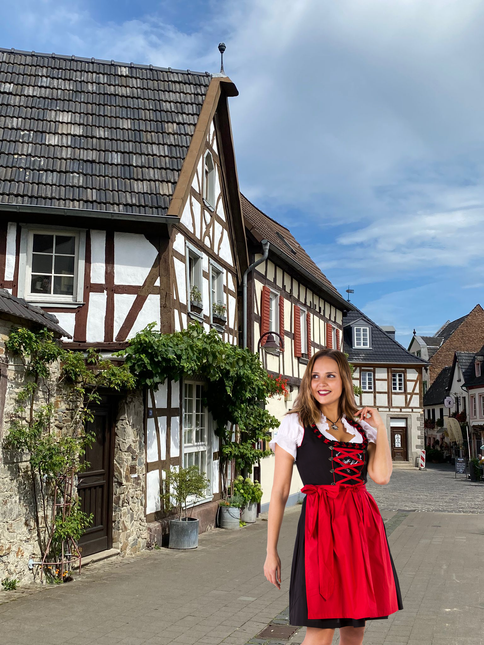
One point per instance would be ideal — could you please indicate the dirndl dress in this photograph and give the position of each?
(342, 570)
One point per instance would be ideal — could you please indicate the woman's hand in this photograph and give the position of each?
(272, 569)
(371, 416)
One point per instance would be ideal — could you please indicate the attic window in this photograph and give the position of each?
(209, 180)
(281, 237)
(361, 337)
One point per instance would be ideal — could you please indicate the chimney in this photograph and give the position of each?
(389, 331)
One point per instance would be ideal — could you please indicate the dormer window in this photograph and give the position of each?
(361, 337)
(478, 364)
(209, 180)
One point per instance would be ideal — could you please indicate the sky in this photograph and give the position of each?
(359, 125)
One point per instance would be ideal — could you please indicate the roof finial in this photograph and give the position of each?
(222, 48)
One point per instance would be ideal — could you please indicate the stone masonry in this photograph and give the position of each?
(468, 337)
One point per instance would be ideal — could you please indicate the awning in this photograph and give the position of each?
(454, 430)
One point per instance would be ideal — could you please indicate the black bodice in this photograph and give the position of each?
(322, 461)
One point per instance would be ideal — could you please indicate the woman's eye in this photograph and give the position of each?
(315, 376)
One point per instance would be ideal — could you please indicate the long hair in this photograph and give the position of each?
(306, 405)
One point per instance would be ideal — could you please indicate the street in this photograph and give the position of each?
(218, 594)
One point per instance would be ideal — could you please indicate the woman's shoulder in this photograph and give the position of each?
(290, 421)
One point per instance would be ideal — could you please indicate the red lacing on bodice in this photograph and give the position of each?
(341, 450)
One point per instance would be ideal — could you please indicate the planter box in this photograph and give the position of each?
(196, 307)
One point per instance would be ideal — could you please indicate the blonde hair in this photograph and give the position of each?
(306, 405)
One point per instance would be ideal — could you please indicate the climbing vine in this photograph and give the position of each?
(237, 384)
(48, 424)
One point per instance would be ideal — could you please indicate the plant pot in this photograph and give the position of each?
(218, 320)
(183, 533)
(229, 517)
(196, 307)
(249, 513)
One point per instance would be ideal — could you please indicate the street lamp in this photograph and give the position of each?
(271, 346)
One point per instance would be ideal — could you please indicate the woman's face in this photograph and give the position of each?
(326, 382)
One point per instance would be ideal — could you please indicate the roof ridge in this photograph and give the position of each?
(102, 61)
(268, 217)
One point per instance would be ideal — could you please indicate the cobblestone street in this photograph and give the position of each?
(217, 594)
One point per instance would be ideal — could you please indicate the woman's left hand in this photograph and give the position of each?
(371, 416)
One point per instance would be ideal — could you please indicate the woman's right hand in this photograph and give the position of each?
(272, 569)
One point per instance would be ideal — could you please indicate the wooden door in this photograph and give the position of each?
(399, 441)
(95, 483)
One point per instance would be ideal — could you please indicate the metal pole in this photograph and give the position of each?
(265, 249)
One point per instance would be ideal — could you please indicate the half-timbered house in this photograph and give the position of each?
(292, 305)
(120, 207)
(390, 379)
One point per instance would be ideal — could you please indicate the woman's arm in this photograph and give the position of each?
(380, 465)
(280, 492)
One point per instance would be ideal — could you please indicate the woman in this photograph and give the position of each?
(342, 571)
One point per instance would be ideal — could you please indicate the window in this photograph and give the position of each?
(53, 270)
(398, 382)
(425, 387)
(361, 337)
(274, 311)
(194, 280)
(481, 398)
(304, 332)
(209, 180)
(217, 300)
(367, 381)
(478, 367)
(473, 407)
(195, 445)
(419, 353)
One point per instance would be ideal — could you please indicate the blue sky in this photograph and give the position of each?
(359, 125)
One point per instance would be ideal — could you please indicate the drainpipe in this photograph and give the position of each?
(265, 249)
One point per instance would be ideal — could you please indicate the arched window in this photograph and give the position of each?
(209, 180)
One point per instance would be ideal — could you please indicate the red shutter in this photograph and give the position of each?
(265, 312)
(308, 327)
(297, 331)
(329, 336)
(281, 320)
(338, 340)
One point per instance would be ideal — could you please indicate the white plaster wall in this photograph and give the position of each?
(197, 213)
(381, 372)
(161, 394)
(162, 429)
(231, 312)
(181, 280)
(215, 481)
(398, 400)
(151, 442)
(122, 305)
(153, 500)
(67, 322)
(10, 251)
(134, 256)
(98, 256)
(381, 400)
(175, 394)
(150, 313)
(175, 437)
(186, 218)
(367, 398)
(179, 243)
(95, 318)
(381, 386)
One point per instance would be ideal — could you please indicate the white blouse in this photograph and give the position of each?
(290, 433)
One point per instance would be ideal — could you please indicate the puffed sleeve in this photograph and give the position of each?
(371, 432)
(289, 435)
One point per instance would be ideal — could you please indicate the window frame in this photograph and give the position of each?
(209, 180)
(361, 346)
(473, 406)
(195, 447)
(217, 269)
(481, 407)
(398, 391)
(25, 265)
(273, 311)
(365, 388)
(193, 253)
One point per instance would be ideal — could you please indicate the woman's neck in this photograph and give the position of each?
(331, 411)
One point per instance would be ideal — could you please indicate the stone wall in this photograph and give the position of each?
(468, 337)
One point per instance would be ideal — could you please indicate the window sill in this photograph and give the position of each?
(302, 360)
(57, 303)
(195, 316)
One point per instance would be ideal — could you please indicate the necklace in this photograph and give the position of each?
(333, 425)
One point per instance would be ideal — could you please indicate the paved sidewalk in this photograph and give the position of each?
(217, 593)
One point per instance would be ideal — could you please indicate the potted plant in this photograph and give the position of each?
(219, 313)
(181, 486)
(252, 495)
(196, 300)
(229, 511)
(475, 469)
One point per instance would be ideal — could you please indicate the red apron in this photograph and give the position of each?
(347, 562)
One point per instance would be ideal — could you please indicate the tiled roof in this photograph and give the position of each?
(94, 135)
(432, 341)
(439, 389)
(19, 308)
(264, 227)
(466, 363)
(471, 378)
(383, 348)
(450, 327)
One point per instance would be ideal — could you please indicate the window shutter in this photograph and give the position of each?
(281, 321)
(297, 331)
(338, 340)
(308, 326)
(265, 312)
(329, 336)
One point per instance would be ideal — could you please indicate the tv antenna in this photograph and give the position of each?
(348, 291)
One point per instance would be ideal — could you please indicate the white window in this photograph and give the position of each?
(274, 312)
(367, 381)
(361, 337)
(481, 398)
(398, 382)
(194, 279)
(209, 180)
(217, 299)
(304, 332)
(53, 270)
(195, 431)
(473, 407)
